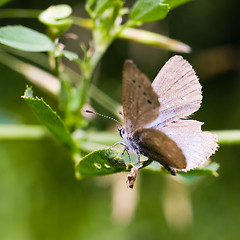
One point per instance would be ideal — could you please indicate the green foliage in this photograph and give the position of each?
(101, 162)
(149, 10)
(39, 194)
(153, 10)
(103, 5)
(25, 39)
(50, 119)
(57, 18)
(71, 56)
(106, 25)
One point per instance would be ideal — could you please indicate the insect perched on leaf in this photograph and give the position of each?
(153, 116)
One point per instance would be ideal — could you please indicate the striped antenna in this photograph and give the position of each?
(101, 115)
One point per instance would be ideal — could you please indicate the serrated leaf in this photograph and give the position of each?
(50, 119)
(101, 162)
(25, 39)
(149, 10)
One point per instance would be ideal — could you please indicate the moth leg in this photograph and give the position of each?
(123, 152)
(138, 157)
(121, 143)
(125, 149)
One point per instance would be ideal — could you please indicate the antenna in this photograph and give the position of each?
(101, 115)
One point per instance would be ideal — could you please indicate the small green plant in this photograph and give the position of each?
(106, 23)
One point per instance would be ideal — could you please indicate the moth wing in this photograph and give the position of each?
(140, 102)
(178, 89)
(158, 146)
(196, 145)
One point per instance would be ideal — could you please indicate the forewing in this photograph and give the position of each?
(178, 89)
(196, 145)
(159, 147)
(140, 102)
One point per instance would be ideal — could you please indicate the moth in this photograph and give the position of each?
(154, 116)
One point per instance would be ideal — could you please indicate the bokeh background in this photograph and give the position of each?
(40, 198)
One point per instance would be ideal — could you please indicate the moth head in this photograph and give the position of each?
(121, 131)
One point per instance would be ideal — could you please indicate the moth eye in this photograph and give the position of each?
(121, 132)
(150, 102)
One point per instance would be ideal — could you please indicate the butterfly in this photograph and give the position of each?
(154, 116)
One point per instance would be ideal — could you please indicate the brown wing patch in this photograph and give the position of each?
(159, 147)
(140, 102)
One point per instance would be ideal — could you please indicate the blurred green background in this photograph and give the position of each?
(40, 197)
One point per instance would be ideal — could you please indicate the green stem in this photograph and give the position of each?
(88, 68)
(23, 132)
(154, 39)
(228, 137)
(36, 132)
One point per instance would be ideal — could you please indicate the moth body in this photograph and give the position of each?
(154, 115)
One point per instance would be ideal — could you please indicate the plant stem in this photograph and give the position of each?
(23, 132)
(36, 132)
(88, 68)
(228, 137)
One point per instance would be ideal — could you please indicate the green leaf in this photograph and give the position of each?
(175, 3)
(70, 55)
(50, 119)
(101, 162)
(209, 170)
(56, 17)
(102, 5)
(149, 10)
(25, 39)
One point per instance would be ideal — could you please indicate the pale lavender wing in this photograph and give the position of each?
(178, 89)
(196, 145)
